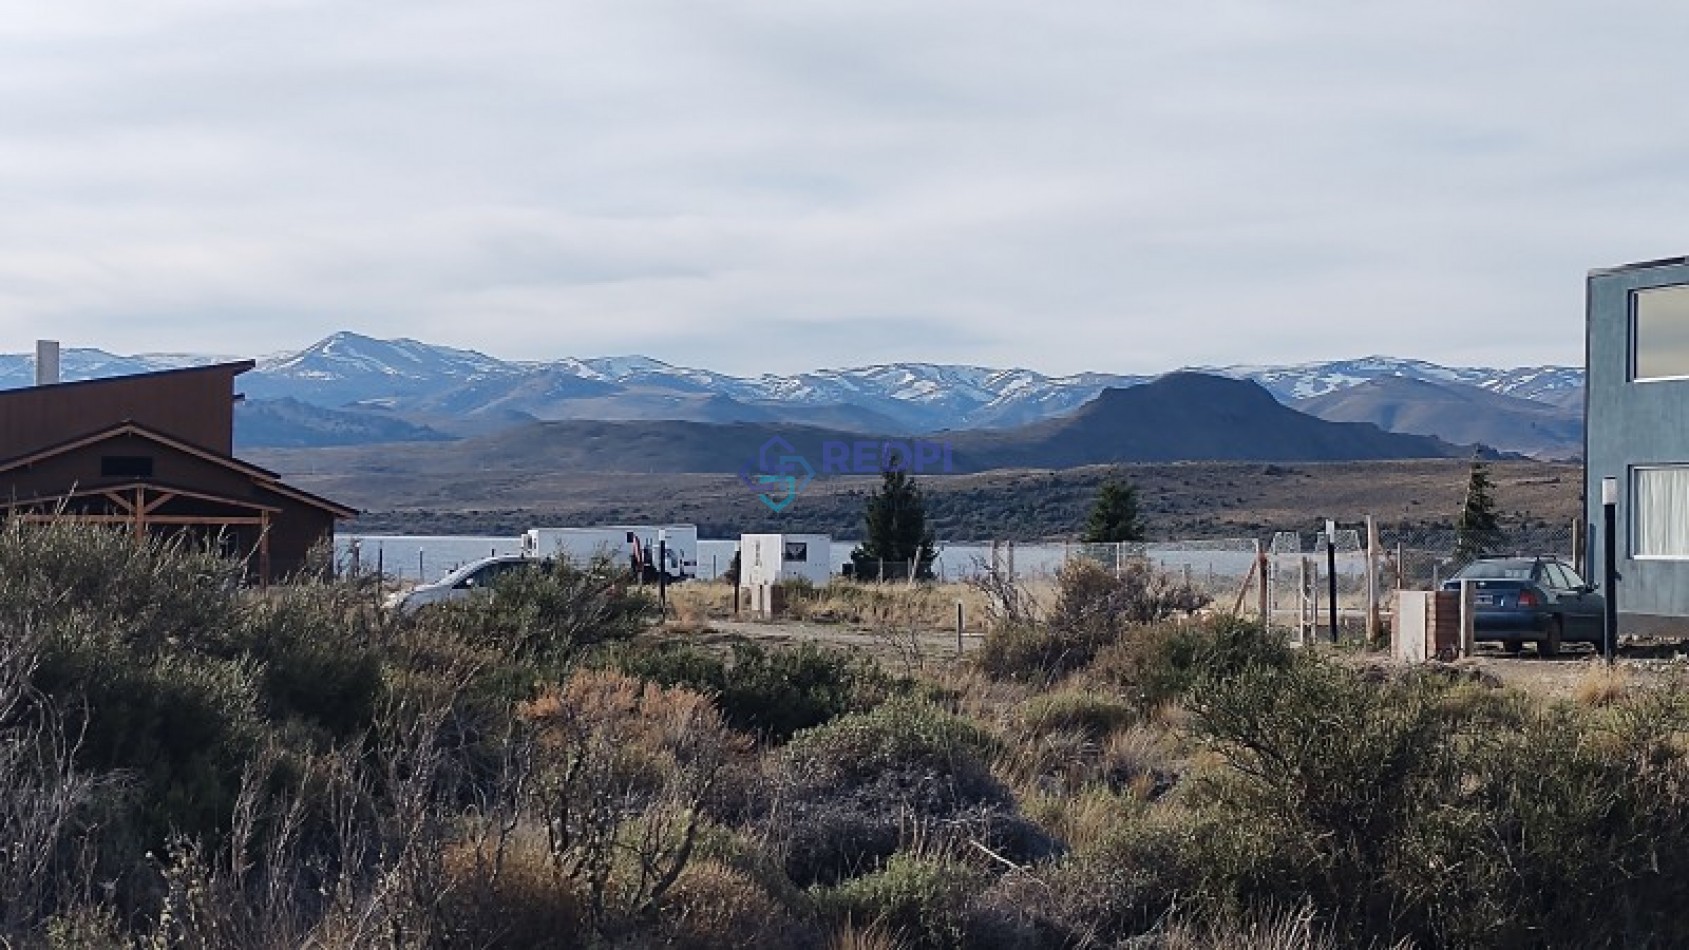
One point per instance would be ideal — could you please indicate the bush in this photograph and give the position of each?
(77, 579)
(922, 901)
(1158, 664)
(902, 734)
(544, 619)
(772, 693)
(1094, 609)
(715, 907)
(867, 784)
(1356, 795)
(1103, 603)
(1074, 710)
(318, 661)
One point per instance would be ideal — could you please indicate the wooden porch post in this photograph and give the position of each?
(264, 549)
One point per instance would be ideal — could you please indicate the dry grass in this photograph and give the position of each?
(1296, 930)
(715, 907)
(701, 601)
(851, 937)
(892, 605)
(1084, 821)
(1602, 686)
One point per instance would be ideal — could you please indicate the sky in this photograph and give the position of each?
(783, 185)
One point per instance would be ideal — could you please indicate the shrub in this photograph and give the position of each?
(1158, 664)
(318, 661)
(715, 907)
(624, 769)
(902, 734)
(922, 901)
(1094, 608)
(75, 579)
(1028, 652)
(1137, 872)
(1100, 602)
(1562, 821)
(543, 619)
(773, 693)
(1075, 710)
(511, 898)
(866, 784)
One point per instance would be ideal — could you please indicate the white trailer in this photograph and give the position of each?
(772, 558)
(635, 545)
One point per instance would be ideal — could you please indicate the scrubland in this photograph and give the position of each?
(186, 762)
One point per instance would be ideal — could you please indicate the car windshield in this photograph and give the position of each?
(1497, 570)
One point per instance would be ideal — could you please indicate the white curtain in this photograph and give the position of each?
(1660, 521)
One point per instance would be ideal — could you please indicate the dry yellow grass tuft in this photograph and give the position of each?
(849, 937)
(701, 600)
(1602, 686)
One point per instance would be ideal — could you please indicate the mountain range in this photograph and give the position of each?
(349, 389)
(1176, 417)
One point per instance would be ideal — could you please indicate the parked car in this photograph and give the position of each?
(464, 582)
(1532, 598)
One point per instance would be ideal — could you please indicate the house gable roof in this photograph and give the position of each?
(233, 368)
(263, 478)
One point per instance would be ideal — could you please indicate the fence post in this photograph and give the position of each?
(1261, 576)
(1371, 582)
(958, 628)
(1468, 618)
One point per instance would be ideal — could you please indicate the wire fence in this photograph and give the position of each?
(1220, 569)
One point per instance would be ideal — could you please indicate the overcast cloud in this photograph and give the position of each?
(777, 186)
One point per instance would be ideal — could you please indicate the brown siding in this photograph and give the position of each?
(79, 469)
(195, 405)
(192, 406)
(293, 533)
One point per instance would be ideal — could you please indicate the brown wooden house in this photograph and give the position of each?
(153, 452)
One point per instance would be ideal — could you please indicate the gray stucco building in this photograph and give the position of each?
(1636, 430)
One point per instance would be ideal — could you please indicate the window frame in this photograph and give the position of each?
(1634, 337)
(1634, 514)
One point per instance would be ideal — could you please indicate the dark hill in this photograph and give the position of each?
(1189, 417)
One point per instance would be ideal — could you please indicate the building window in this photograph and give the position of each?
(125, 466)
(796, 552)
(1660, 512)
(1659, 333)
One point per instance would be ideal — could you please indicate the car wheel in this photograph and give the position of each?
(1549, 645)
(1513, 647)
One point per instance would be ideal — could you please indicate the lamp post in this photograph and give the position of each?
(1610, 567)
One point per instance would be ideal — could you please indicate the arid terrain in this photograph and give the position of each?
(1180, 500)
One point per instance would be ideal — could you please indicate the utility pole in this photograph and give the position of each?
(1610, 567)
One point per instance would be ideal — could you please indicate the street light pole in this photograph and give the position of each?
(1610, 567)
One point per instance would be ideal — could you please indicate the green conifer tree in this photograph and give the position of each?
(896, 529)
(1114, 515)
(1478, 530)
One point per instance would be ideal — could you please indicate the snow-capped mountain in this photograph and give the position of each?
(18, 369)
(1307, 380)
(463, 390)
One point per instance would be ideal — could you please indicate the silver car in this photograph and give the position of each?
(466, 581)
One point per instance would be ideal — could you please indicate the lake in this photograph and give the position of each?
(430, 557)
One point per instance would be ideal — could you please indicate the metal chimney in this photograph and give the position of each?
(46, 362)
